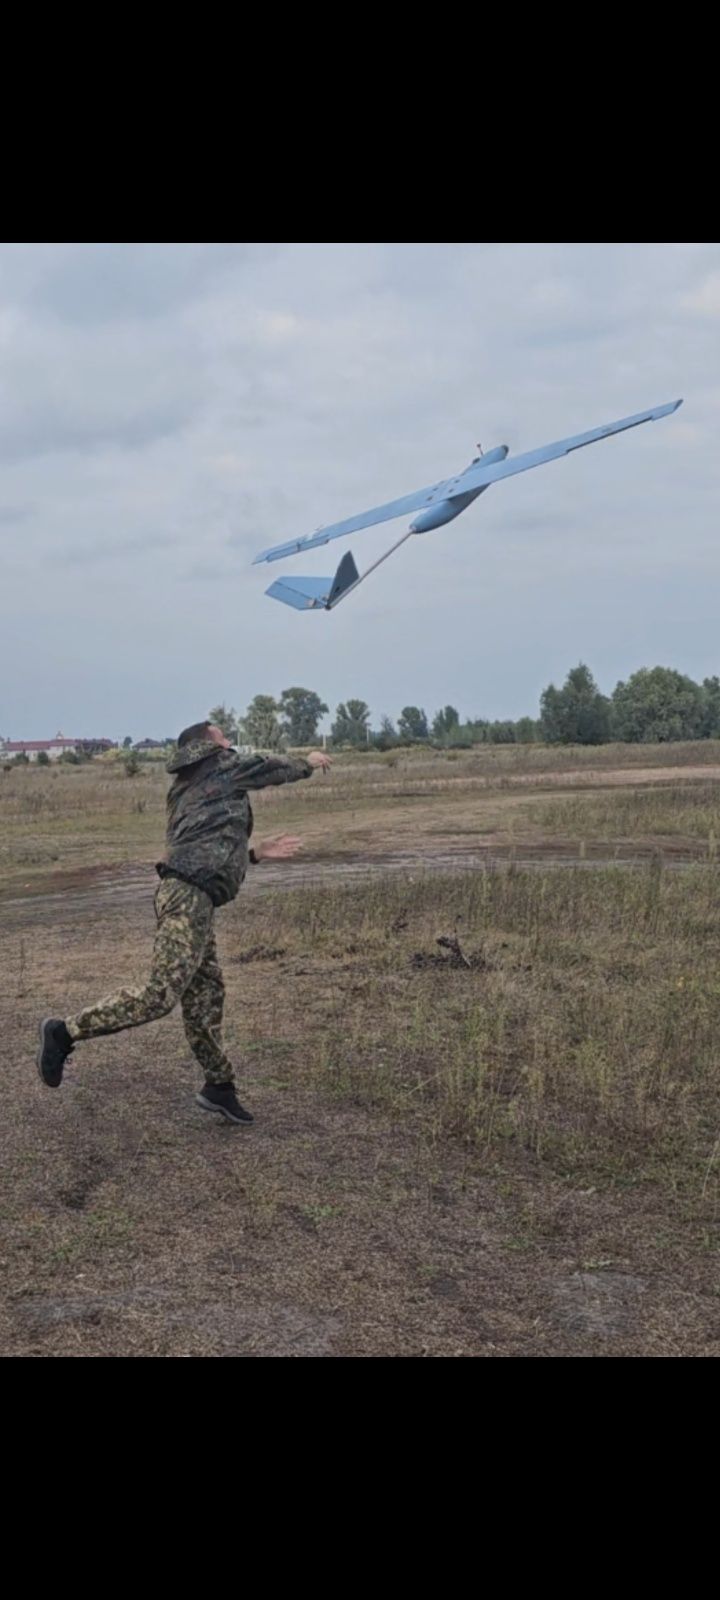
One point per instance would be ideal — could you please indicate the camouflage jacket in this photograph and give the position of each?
(209, 816)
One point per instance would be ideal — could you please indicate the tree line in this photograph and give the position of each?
(653, 706)
(656, 705)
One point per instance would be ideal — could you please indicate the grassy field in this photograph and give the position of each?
(507, 1143)
(73, 818)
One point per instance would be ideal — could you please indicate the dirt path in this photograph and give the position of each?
(612, 777)
(95, 890)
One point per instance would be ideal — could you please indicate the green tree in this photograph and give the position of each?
(301, 710)
(387, 738)
(413, 724)
(131, 762)
(261, 725)
(657, 705)
(43, 759)
(526, 730)
(226, 721)
(501, 733)
(352, 721)
(127, 742)
(711, 708)
(445, 722)
(577, 713)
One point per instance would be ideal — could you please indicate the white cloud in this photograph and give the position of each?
(705, 298)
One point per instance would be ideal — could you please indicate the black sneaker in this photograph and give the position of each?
(55, 1047)
(222, 1097)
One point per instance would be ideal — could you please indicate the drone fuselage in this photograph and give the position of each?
(443, 511)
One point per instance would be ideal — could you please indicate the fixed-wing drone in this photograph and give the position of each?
(435, 506)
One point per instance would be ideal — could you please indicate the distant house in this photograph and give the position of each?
(52, 748)
(150, 744)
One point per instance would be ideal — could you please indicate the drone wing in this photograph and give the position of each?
(366, 519)
(480, 476)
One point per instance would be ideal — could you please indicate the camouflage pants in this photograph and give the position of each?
(184, 968)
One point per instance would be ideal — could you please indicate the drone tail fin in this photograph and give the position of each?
(316, 594)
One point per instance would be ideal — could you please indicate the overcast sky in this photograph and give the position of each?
(167, 410)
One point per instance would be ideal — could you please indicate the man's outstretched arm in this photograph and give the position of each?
(260, 772)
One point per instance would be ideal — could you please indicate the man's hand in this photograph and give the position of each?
(318, 758)
(279, 849)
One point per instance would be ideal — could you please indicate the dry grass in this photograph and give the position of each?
(680, 810)
(585, 1027)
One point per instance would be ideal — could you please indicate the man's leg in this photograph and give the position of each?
(185, 916)
(202, 1009)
